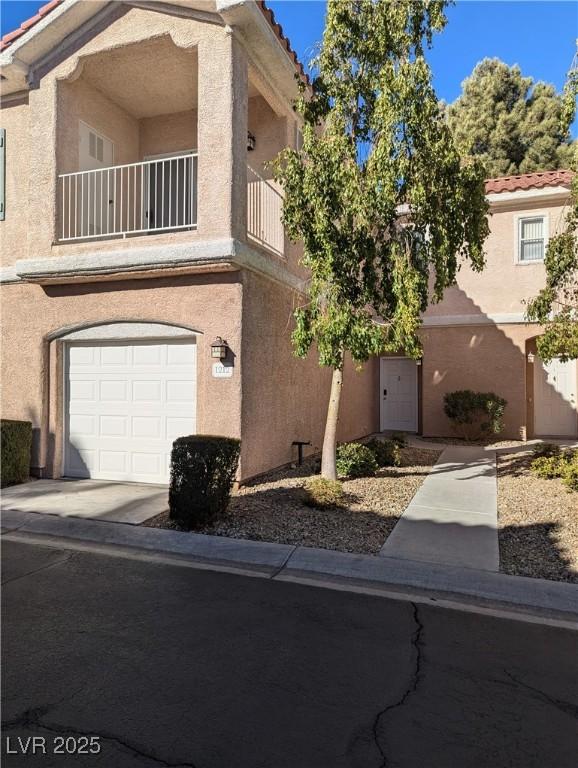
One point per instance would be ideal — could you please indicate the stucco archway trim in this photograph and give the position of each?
(121, 330)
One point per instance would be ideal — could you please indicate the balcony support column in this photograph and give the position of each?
(222, 137)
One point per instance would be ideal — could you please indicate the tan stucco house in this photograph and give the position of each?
(140, 226)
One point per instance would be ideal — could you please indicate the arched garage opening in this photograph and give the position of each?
(128, 390)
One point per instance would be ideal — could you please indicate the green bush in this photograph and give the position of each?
(475, 414)
(387, 453)
(355, 460)
(323, 493)
(563, 465)
(16, 441)
(545, 449)
(202, 474)
(570, 475)
(546, 467)
(399, 438)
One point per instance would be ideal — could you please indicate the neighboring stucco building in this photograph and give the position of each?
(140, 223)
(476, 338)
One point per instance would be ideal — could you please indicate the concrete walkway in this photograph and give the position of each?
(97, 499)
(453, 517)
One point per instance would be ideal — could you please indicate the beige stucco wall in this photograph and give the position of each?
(504, 284)
(14, 229)
(55, 107)
(485, 358)
(79, 100)
(160, 134)
(285, 398)
(210, 305)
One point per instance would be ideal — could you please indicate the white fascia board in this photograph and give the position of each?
(530, 195)
(507, 318)
(49, 33)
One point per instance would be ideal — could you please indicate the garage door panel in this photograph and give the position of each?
(126, 403)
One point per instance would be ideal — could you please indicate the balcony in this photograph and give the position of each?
(132, 199)
(156, 196)
(264, 208)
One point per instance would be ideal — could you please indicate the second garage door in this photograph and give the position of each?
(125, 404)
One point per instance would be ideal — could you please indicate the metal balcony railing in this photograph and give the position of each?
(264, 208)
(137, 198)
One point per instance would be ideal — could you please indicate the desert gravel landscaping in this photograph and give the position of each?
(538, 522)
(273, 508)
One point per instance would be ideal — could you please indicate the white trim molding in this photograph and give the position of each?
(529, 195)
(508, 318)
(518, 218)
(128, 331)
(227, 255)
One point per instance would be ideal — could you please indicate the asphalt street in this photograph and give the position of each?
(120, 662)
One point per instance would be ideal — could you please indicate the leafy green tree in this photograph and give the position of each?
(556, 306)
(510, 123)
(377, 194)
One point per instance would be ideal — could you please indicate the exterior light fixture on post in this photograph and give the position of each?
(250, 142)
(418, 361)
(530, 357)
(219, 349)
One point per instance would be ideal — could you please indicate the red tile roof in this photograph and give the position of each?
(25, 26)
(536, 180)
(9, 38)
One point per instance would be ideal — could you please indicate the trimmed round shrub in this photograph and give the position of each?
(387, 453)
(323, 493)
(203, 470)
(546, 449)
(475, 414)
(355, 460)
(546, 467)
(16, 442)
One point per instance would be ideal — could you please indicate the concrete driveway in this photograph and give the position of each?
(96, 499)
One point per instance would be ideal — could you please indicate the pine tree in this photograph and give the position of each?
(510, 123)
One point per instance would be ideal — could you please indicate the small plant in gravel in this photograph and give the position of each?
(387, 453)
(399, 438)
(563, 465)
(546, 449)
(355, 460)
(570, 475)
(323, 493)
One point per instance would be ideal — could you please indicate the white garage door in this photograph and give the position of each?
(555, 398)
(125, 404)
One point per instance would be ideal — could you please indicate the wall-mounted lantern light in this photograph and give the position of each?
(418, 361)
(219, 349)
(250, 141)
(530, 357)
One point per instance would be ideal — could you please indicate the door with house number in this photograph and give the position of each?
(398, 394)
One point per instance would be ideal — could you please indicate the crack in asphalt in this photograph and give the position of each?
(283, 564)
(33, 718)
(379, 722)
(53, 564)
(564, 706)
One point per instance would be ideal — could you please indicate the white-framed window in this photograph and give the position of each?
(532, 238)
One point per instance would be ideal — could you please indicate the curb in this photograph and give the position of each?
(321, 567)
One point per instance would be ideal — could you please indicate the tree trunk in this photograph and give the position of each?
(328, 468)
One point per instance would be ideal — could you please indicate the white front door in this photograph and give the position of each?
(555, 399)
(125, 404)
(398, 394)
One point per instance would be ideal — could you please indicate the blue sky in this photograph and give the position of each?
(539, 35)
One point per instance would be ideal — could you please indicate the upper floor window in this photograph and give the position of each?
(531, 238)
